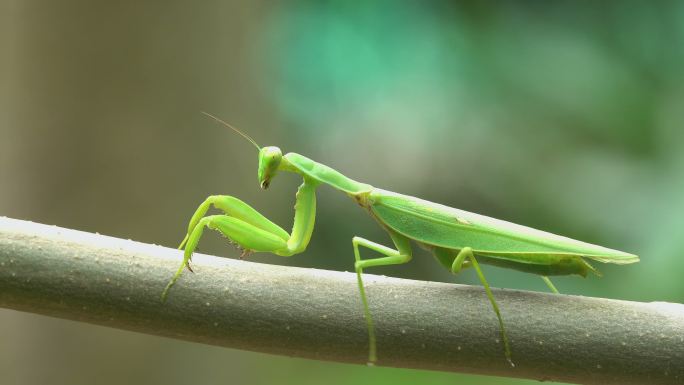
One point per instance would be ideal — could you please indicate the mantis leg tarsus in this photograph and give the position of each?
(467, 252)
(402, 255)
(172, 282)
(185, 240)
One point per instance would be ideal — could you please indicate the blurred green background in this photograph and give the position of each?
(565, 117)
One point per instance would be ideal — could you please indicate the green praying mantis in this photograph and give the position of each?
(458, 239)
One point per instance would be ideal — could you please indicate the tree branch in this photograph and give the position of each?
(317, 314)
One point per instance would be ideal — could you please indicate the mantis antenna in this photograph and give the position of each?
(233, 128)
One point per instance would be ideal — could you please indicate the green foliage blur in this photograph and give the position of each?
(564, 116)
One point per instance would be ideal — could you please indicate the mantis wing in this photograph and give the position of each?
(443, 226)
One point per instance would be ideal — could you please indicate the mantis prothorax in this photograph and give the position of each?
(456, 238)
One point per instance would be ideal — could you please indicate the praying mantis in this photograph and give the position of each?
(458, 239)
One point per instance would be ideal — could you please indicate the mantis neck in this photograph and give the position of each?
(306, 167)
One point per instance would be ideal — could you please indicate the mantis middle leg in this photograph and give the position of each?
(467, 252)
(401, 255)
(249, 229)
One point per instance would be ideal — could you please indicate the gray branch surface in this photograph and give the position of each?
(317, 314)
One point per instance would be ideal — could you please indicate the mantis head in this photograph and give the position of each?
(269, 160)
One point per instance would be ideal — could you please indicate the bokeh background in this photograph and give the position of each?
(565, 116)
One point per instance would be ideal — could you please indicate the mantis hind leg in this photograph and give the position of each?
(467, 252)
(393, 257)
(548, 283)
(446, 258)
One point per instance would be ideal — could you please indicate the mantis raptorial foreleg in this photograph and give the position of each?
(248, 228)
(467, 252)
(233, 207)
(393, 257)
(248, 236)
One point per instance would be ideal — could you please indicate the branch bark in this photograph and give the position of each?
(317, 314)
